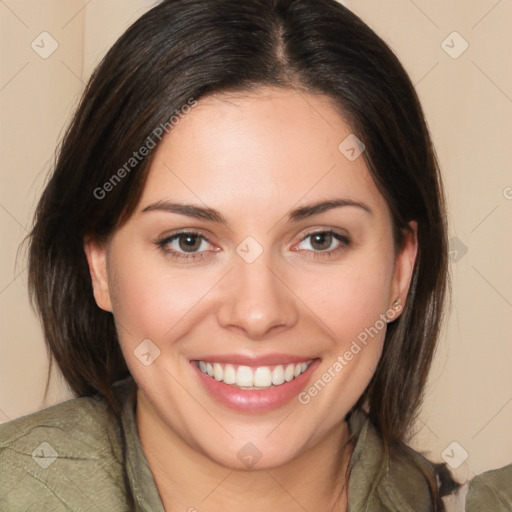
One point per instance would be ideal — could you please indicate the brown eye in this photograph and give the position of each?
(321, 241)
(185, 246)
(323, 244)
(189, 242)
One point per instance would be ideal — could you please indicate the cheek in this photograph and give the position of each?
(149, 301)
(351, 297)
(351, 301)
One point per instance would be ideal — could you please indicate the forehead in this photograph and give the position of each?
(258, 149)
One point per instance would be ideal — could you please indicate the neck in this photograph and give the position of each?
(190, 481)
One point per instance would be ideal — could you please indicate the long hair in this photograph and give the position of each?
(186, 49)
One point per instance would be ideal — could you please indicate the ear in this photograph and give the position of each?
(96, 254)
(404, 266)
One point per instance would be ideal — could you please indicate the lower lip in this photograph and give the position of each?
(255, 400)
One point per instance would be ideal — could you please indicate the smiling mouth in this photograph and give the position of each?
(246, 377)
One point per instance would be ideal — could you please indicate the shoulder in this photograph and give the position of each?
(398, 481)
(386, 481)
(68, 456)
(491, 491)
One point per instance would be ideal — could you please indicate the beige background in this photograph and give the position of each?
(468, 104)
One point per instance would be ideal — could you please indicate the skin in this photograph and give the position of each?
(253, 157)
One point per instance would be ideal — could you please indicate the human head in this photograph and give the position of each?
(187, 50)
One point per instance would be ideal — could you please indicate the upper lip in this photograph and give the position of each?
(248, 360)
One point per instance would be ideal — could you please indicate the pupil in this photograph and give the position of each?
(191, 242)
(324, 237)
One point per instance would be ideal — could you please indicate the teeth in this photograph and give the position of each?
(278, 375)
(262, 377)
(229, 375)
(288, 373)
(217, 371)
(245, 377)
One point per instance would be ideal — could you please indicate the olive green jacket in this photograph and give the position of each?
(71, 457)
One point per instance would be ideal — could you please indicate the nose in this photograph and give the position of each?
(256, 300)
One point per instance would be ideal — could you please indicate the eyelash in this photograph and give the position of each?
(162, 245)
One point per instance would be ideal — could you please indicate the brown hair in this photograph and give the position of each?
(184, 49)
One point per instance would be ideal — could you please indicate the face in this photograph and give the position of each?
(263, 255)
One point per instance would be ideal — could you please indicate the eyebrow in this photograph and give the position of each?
(212, 215)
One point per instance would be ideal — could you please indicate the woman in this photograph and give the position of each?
(240, 265)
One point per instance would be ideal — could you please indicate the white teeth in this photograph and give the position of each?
(217, 371)
(288, 373)
(246, 377)
(229, 374)
(278, 375)
(262, 377)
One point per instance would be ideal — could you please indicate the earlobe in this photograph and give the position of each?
(96, 254)
(404, 268)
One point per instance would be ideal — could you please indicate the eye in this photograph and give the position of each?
(324, 243)
(193, 246)
(184, 245)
